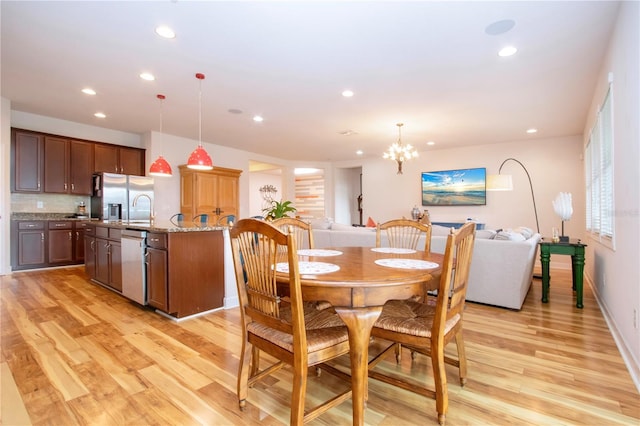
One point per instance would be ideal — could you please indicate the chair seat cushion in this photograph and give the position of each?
(324, 329)
(411, 317)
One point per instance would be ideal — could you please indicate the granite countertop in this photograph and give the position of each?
(159, 225)
(47, 216)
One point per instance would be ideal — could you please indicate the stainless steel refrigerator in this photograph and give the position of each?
(114, 194)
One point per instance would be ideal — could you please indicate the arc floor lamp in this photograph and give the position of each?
(504, 182)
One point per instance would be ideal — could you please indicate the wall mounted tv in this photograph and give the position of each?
(463, 187)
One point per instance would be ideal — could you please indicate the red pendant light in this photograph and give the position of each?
(199, 158)
(160, 167)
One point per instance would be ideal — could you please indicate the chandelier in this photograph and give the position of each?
(400, 152)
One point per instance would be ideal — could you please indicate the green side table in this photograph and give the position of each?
(573, 248)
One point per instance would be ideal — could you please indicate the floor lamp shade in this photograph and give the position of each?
(499, 183)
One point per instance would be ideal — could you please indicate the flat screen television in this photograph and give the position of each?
(463, 187)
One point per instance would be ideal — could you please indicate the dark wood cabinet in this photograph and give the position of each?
(28, 249)
(108, 259)
(56, 165)
(44, 243)
(81, 167)
(90, 252)
(78, 242)
(119, 159)
(68, 166)
(26, 161)
(156, 261)
(42, 162)
(60, 242)
(185, 272)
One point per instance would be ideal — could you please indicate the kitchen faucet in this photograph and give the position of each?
(151, 215)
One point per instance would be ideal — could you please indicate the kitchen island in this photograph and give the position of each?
(184, 266)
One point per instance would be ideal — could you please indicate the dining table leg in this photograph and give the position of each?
(359, 322)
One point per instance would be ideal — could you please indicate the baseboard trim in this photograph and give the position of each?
(627, 355)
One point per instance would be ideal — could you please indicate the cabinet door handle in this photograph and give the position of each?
(38, 184)
(73, 187)
(42, 236)
(70, 235)
(92, 243)
(65, 186)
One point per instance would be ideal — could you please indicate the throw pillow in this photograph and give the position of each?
(320, 223)
(509, 235)
(526, 232)
(485, 234)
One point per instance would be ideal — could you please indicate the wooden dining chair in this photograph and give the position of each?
(294, 333)
(404, 233)
(301, 230)
(427, 329)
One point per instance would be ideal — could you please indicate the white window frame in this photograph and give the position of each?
(599, 173)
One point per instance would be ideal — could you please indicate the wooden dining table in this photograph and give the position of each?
(350, 279)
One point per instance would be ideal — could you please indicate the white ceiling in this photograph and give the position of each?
(429, 65)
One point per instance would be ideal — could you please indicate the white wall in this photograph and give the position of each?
(5, 184)
(555, 165)
(256, 181)
(616, 272)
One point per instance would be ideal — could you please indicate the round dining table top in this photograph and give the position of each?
(364, 276)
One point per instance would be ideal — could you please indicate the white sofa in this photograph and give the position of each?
(501, 271)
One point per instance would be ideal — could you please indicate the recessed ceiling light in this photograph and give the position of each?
(431, 143)
(147, 76)
(88, 91)
(100, 115)
(500, 27)
(347, 93)
(507, 51)
(532, 130)
(166, 32)
(258, 119)
(359, 152)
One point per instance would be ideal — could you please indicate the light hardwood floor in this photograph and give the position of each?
(76, 353)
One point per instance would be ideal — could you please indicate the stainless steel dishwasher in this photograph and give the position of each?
(134, 272)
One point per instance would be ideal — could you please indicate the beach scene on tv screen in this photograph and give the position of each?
(454, 187)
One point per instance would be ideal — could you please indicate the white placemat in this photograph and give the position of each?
(318, 252)
(407, 263)
(313, 268)
(395, 250)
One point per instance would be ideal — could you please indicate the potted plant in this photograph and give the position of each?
(278, 209)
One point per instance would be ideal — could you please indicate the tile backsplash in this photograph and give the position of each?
(48, 203)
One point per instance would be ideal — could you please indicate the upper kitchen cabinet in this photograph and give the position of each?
(213, 192)
(26, 161)
(119, 159)
(68, 166)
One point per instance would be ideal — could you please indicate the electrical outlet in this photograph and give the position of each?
(635, 318)
(39, 204)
